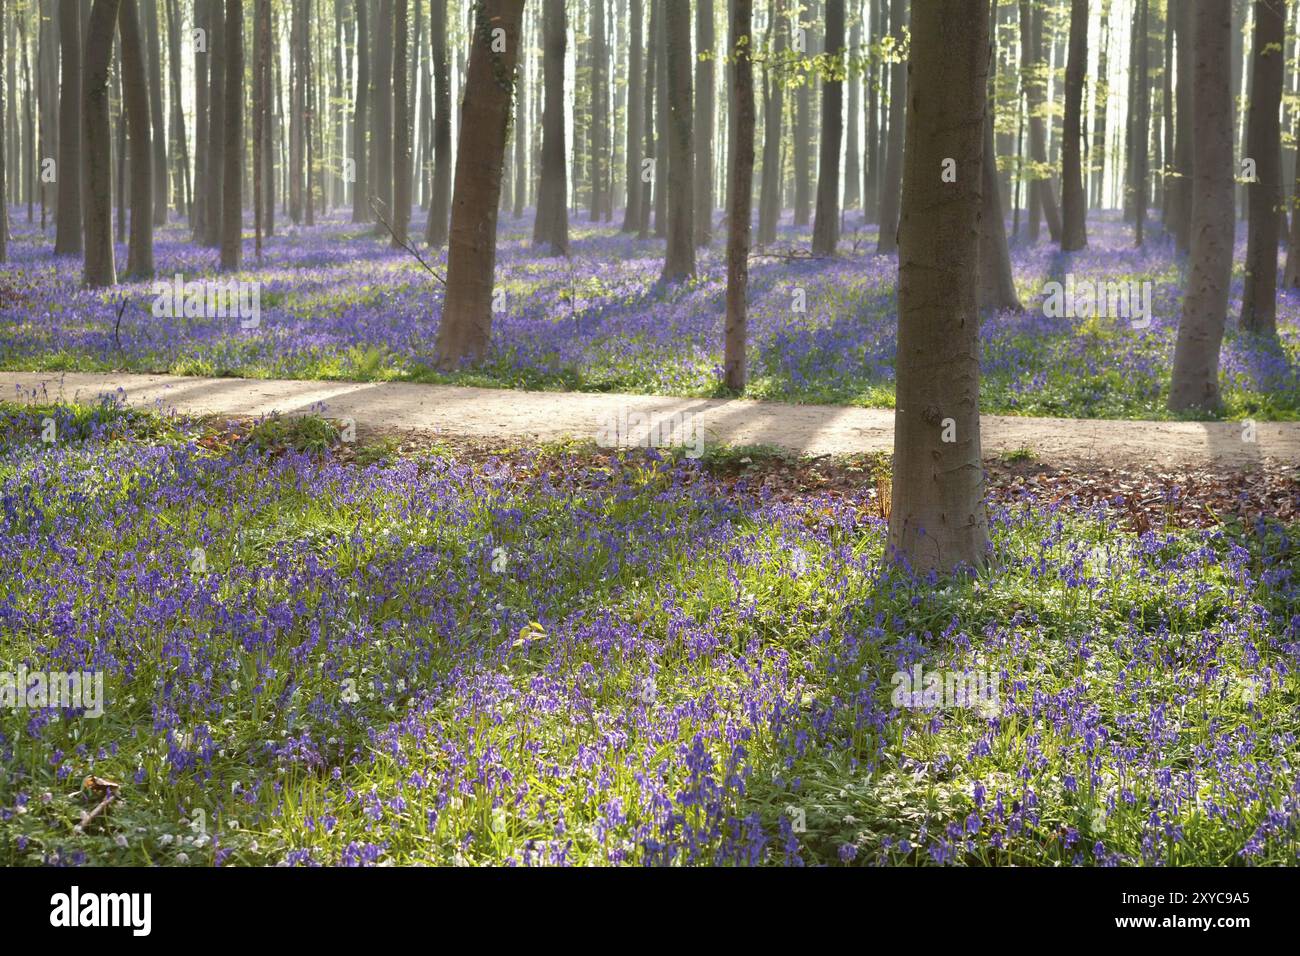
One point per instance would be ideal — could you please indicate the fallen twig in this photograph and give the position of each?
(404, 243)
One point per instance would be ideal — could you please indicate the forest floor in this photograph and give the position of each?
(809, 430)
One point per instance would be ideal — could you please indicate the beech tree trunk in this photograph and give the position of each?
(361, 108)
(679, 260)
(997, 287)
(1074, 201)
(382, 142)
(1264, 145)
(1042, 197)
(551, 224)
(826, 226)
(1181, 202)
(440, 199)
(599, 111)
(297, 106)
(649, 109)
(199, 219)
(938, 521)
(4, 141)
(401, 129)
(216, 123)
(802, 130)
(740, 194)
(769, 196)
(153, 37)
(98, 268)
(232, 195)
(704, 93)
(853, 146)
(635, 117)
(1195, 382)
(891, 188)
(466, 325)
(182, 190)
(135, 90)
(67, 224)
(1141, 123)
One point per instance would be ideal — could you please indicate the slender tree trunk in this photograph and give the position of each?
(67, 236)
(4, 139)
(361, 104)
(679, 261)
(201, 40)
(649, 110)
(98, 268)
(383, 110)
(466, 325)
(1141, 123)
(599, 110)
(521, 131)
(997, 287)
(261, 71)
(663, 153)
(740, 195)
(180, 147)
(853, 147)
(1074, 202)
(440, 201)
(871, 167)
(135, 88)
(233, 174)
(1042, 195)
(297, 106)
(551, 223)
(216, 123)
(937, 521)
(803, 135)
(769, 197)
(826, 226)
(704, 94)
(1101, 96)
(1195, 383)
(635, 117)
(401, 129)
(1264, 145)
(153, 37)
(891, 192)
(1184, 157)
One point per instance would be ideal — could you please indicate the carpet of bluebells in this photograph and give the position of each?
(548, 660)
(337, 301)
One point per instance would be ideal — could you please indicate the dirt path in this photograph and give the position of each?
(809, 429)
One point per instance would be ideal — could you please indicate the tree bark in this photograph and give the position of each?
(802, 133)
(704, 119)
(180, 147)
(401, 129)
(1141, 123)
(679, 260)
(261, 73)
(649, 189)
(4, 141)
(1195, 381)
(769, 196)
(551, 223)
(997, 287)
(1074, 201)
(853, 146)
(599, 111)
(740, 194)
(135, 89)
(153, 37)
(891, 189)
(361, 107)
(216, 123)
(440, 200)
(938, 521)
(67, 225)
(466, 325)
(1181, 202)
(635, 117)
(297, 106)
(382, 142)
(199, 220)
(1264, 145)
(1042, 198)
(826, 225)
(98, 268)
(232, 221)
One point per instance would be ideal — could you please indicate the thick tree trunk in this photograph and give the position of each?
(1195, 382)
(1264, 145)
(551, 224)
(401, 129)
(826, 226)
(704, 93)
(232, 195)
(67, 235)
(937, 521)
(740, 195)
(153, 37)
(135, 89)
(769, 196)
(361, 108)
(679, 260)
(440, 198)
(466, 325)
(1074, 202)
(216, 123)
(635, 117)
(891, 189)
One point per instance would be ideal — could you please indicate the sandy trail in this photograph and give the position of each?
(808, 429)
